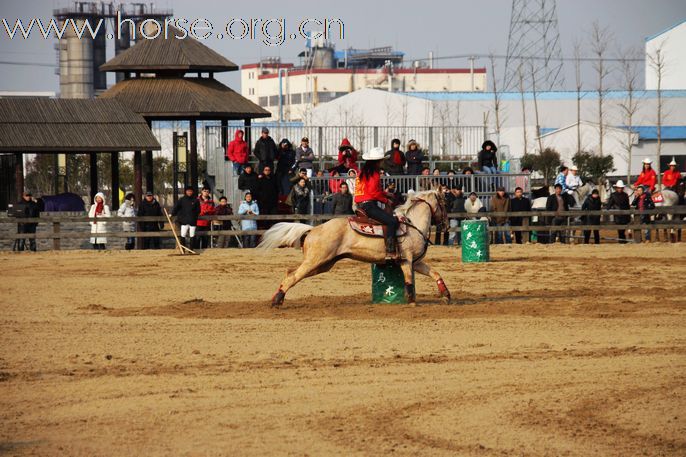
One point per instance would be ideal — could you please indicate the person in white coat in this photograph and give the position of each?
(99, 210)
(573, 182)
(128, 209)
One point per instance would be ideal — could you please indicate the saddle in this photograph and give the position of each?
(365, 225)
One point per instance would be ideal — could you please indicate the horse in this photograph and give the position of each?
(334, 240)
(577, 196)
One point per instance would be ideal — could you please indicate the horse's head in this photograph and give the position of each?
(435, 200)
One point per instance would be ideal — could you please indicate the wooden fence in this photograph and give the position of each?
(57, 234)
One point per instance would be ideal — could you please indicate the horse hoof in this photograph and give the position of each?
(277, 300)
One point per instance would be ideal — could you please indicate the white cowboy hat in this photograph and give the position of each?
(673, 162)
(619, 183)
(375, 153)
(647, 160)
(573, 168)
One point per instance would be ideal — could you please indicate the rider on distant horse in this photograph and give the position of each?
(648, 177)
(671, 177)
(371, 198)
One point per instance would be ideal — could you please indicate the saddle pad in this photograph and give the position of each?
(657, 197)
(367, 227)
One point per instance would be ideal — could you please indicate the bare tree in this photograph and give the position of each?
(656, 61)
(496, 98)
(520, 85)
(579, 86)
(629, 106)
(535, 97)
(601, 37)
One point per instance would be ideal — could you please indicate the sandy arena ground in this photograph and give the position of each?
(550, 350)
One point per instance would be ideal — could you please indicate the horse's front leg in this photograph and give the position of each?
(406, 266)
(423, 268)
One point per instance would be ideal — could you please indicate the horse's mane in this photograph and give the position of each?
(405, 207)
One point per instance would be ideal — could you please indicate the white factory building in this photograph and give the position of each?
(557, 113)
(672, 46)
(290, 92)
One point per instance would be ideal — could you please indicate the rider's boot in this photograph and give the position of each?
(391, 251)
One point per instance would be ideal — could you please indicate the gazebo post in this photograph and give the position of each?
(114, 165)
(19, 174)
(93, 156)
(138, 175)
(224, 134)
(149, 186)
(247, 135)
(193, 159)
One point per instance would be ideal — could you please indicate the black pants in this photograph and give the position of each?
(151, 243)
(20, 244)
(372, 209)
(596, 236)
(622, 236)
(560, 233)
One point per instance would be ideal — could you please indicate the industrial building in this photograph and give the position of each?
(290, 92)
(556, 111)
(672, 46)
(80, 59)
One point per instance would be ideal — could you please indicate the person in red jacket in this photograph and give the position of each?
(371, 198)
(347, 157)
(237, 152)
(671, 177)
(648, 177)
(206, 209)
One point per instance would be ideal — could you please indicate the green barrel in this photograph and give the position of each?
(388, 284)
(475, 241)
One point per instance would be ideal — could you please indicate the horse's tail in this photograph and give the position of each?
(284, 234)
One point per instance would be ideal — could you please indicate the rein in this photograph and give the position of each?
(427, 239)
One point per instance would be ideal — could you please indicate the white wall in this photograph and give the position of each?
(673, 43)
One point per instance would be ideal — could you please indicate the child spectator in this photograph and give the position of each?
(128, 209)
(206, 209)
(223, 209)
(249, 208)
(642, 202)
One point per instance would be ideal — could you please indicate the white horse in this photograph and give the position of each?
(579, 195)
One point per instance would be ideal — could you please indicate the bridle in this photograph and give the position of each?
(434, 211)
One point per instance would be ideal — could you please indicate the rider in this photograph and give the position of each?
(573, 181)
(370, 197)
(671, 177)
(648, 177)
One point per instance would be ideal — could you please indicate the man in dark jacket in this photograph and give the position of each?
(456, 206)
(518, 204)
(557, 203)
(342, 200)
(619, 200)
(187, 210)
(394, 161)
(150, 207)
(488, 161)
(265, 150)
(415, 158)
(247, 181)
(223, 209)
(26, 208)
(592, 203)
(284, 167)
(267, 193)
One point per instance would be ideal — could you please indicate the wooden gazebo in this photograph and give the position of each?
(173, 79)
(72, 126)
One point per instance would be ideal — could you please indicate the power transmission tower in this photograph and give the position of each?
(533, 46)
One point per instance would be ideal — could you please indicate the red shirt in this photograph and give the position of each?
(671, 178)
(648, 178)
(369, 189)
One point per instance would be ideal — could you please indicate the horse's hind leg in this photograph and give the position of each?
(306, 269)
(423, 268)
